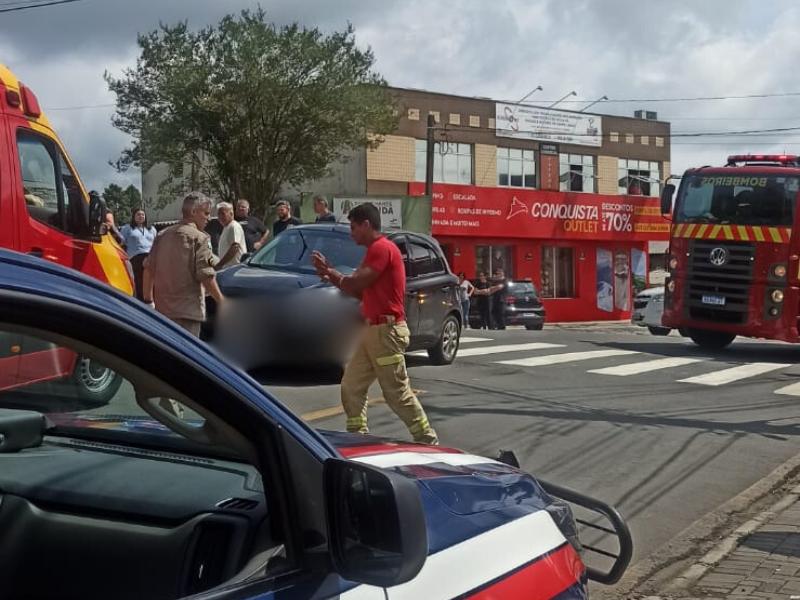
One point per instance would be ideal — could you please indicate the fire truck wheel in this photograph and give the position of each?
(711, 340)
(95, 384)
(659, 330)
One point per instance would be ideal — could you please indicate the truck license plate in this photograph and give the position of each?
(715, 300)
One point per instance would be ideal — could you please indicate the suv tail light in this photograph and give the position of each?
(511, 300)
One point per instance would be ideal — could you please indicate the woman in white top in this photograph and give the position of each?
(466, 289)
(138, 238)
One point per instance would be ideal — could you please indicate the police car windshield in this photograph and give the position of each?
(292, 249)
(738, 199)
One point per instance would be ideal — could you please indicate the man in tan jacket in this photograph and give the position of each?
(181, 266)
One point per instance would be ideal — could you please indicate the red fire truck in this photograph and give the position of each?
(733, 261)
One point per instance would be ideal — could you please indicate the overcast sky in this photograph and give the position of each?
(644, 49)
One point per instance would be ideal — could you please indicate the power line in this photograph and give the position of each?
(689, 99)
(39, 5)
(81, 107)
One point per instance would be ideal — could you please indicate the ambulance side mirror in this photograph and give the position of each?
(666, 198)
(97, 217)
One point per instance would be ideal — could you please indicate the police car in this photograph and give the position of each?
(194, 481)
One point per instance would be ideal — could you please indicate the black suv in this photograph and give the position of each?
(521, 306)
(281, 313)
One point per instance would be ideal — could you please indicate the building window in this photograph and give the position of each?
(558, 272)
(413, 114)
(613, 136)
(638, 177)
(576, 173)
(452, 162)
(516, 167)
(490, 258)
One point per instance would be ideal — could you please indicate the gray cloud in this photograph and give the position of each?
(500, 49)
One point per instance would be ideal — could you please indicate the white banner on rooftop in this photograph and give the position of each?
(533, 123)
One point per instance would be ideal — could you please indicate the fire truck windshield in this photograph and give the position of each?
(738, 199)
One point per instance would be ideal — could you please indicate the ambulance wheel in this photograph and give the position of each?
(711, 340)
(445, 350)
(659, 330)
(94, 383)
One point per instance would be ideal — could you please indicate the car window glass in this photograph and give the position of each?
(421, 259)
(76, 205)
(78, 392)
(38, 168)
(292, 250)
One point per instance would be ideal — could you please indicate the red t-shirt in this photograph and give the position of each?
(387, 295)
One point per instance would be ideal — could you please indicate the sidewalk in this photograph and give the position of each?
(759, 561)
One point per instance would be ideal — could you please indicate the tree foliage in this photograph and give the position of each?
(241, 108)
(122, 202)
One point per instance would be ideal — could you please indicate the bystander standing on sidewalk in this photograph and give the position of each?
(137, 238)
(380, 283)
(465, 290)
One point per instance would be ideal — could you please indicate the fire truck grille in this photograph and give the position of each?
(720, 275)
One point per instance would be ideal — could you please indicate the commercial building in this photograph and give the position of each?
(564, 198)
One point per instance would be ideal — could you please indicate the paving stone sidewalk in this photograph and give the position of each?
(765, 564)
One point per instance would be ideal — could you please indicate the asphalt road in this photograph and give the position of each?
(653, 425)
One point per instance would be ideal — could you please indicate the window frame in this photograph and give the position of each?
(455, 161)
(556, 250)
(567, 160)
(649, 169)
(521, 158)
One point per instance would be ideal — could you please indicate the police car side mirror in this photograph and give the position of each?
(376, 524)
(97, 217)
(666, 198)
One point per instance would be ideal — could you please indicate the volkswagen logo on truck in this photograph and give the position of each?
(718, 257)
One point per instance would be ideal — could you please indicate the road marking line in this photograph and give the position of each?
(333, 411)
(789, 390)
(553, 359)
(734, 373)
(646, 366)
(472, 340)
(483, 350)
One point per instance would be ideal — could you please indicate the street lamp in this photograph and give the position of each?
(593, 103)
(562, 99)
(538, 88)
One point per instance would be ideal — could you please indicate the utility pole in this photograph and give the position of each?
(429, 157)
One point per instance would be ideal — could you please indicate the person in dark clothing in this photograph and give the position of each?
(482, 300)
(285, 219)
(214, 230)
(498, 297)
(321, 208)
(254, 228)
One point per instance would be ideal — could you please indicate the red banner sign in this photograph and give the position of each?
(518, 213)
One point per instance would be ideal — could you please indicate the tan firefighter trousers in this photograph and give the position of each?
(380, 356)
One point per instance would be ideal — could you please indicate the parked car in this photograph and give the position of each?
(648, 306)
(281, 313)
(196, 481)
(522, 306)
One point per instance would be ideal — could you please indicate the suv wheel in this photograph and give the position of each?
(94, 383)
(445, 350)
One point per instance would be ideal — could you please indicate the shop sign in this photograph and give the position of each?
(391, 210)
(516, 213)
(533, 123)
(548, 149)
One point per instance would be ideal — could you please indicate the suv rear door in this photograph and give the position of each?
(435, 285)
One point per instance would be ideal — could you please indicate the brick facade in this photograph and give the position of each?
(393, 160)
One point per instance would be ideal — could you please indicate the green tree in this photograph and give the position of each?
(241, 108)
(122, 202)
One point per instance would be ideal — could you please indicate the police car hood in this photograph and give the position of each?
(474, 502)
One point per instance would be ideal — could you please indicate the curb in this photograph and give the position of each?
(686, 543)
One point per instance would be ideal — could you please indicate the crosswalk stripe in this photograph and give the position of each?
(789, 390)
(734, 373)
(552, 359)
(483, 350)
(472, 340)
(646, 366)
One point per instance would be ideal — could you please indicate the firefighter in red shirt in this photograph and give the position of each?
(380, 284)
